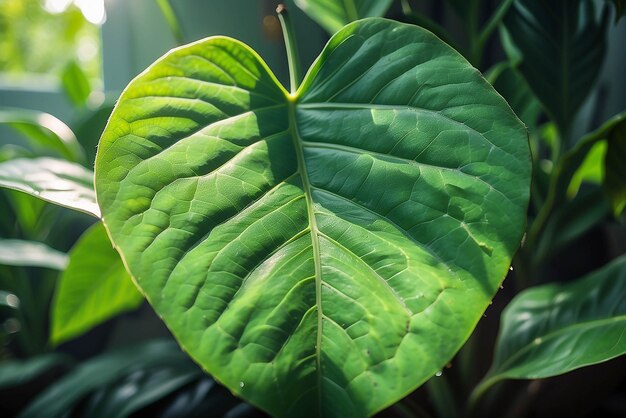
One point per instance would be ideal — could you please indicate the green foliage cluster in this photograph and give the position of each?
(325, 251)
(35, 41)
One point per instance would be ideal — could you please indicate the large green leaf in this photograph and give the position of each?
(15, 252)
(332, 15)
(94, 287)
(563, 44)
(552, 329)
(56, 181)
(322, 253)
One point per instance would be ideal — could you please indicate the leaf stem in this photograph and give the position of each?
(442, 397)
(475, 52)
(406, 7)
(493, 22)
(417, 19)
(552, 198)
(31, 335)
(172, 20)
(293, 57)
(479, 391)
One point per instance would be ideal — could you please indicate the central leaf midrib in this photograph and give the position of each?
(306, 187)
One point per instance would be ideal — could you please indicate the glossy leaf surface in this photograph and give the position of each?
(94, 287)
(573, 41)
(15, 252)
(552, 329)
(321, 254)
(56, 181)
(332, 15)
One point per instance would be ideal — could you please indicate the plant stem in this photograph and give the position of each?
(475, 52)
(493, 23)
(293, 58)
(423, 21)
(442, 397)
(406, 7)
(479, 391)
(31, 335)
(406, 408)
(172, 20)
(540, 222)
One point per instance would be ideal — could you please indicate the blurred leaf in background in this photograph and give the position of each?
(43, 36)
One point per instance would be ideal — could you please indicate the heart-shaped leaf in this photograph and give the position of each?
(93, 288)
(553, 329)
(322, 253)
(332, 15)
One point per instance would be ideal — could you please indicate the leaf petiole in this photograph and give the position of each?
(293, 57)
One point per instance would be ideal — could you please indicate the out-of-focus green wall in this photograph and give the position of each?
(136, 33)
